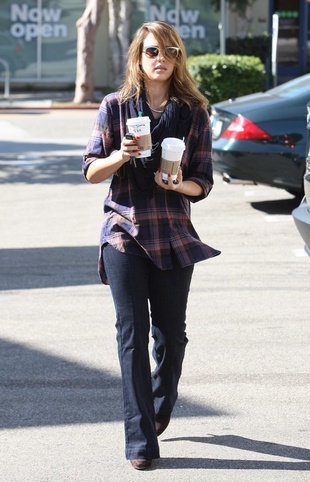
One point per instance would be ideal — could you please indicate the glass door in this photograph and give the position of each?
(292, 37)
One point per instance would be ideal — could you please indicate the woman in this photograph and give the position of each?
(148, 244)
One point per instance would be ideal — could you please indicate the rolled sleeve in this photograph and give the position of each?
(105, 133)
(197, 165)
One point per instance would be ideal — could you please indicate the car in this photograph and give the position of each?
(261, 138)
(301, 214)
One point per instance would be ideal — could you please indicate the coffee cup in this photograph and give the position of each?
(140, 126)
(171, 155)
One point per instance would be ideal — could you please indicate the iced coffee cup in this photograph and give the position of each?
(171, 155)
(140, 126)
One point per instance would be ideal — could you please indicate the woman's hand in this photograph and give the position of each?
(130, 148)
(102, 168)
(172, 185)
(187, 187)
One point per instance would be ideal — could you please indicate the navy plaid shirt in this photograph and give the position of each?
(151, 225)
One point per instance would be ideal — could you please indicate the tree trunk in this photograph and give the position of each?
(86, 31)
(244, 20)
(119, 19)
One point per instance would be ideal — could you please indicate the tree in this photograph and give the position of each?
(87, 26)
(119, 21)
(119, 12)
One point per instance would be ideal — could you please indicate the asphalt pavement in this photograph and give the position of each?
(243, 408)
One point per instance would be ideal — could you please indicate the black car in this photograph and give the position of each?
(301, 215)
(262, 137)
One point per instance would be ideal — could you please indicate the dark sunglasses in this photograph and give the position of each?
(169, 52)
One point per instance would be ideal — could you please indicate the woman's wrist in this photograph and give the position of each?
(189, 188)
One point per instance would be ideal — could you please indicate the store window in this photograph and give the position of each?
(38, 38)
(196, 21)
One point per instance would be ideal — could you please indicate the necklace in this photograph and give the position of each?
(155, 110)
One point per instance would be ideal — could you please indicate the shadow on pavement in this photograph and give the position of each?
(250, 445)
(32, 268)
(277, 206)
(40, 389)
(230, 464)
(10, 149)
(244, 444)
(34, 168)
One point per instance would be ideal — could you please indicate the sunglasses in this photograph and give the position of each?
(170, 52)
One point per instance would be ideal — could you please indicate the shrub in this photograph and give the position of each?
(222, 77)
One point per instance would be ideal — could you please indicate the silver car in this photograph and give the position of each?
(301, 214)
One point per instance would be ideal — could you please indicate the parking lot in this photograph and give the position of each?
(243, 408)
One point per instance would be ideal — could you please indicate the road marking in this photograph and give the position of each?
(10, 132)
(271, 218)
(263, 191)
(299, 253)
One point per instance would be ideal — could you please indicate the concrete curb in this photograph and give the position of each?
(43, 105)
(25, 104)
(44, 101)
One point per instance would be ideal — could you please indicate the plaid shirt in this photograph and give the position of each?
(147, 224)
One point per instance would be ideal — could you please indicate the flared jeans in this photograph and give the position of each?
(145, 296)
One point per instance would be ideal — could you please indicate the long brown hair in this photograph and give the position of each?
(182, 85)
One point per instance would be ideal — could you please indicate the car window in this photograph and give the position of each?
(301, 86)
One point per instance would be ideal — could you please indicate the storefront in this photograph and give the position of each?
(38, 37)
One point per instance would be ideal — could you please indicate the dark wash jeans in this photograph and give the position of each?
(140, 289)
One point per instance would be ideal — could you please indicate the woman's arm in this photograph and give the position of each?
(106, 152)
(188, 187)
(101, 169)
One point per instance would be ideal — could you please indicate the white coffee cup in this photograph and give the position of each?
(171, 155)
(140, 126)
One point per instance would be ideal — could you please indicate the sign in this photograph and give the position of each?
(32, 22)
(185, 19)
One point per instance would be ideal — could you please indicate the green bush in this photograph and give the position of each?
(222, 77)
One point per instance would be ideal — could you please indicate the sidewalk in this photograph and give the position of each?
(44, 100)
